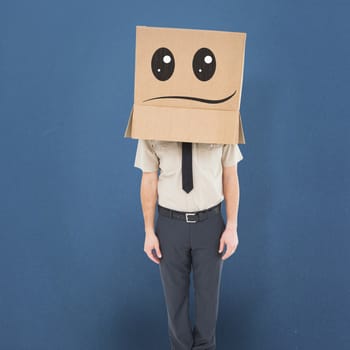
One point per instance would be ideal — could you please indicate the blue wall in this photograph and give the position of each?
(73, 271)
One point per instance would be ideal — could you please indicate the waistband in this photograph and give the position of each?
(190, 217)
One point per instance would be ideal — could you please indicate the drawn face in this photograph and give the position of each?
(203, 65)
(189, 68)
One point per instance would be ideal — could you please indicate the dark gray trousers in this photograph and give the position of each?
(187, 246)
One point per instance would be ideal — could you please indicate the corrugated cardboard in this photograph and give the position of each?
(183, 107)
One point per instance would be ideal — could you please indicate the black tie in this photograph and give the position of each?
(187, 179)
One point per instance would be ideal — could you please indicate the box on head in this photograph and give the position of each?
(188, 85)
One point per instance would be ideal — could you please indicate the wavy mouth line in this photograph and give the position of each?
(198, 99)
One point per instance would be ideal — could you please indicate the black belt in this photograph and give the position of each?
(191, 217)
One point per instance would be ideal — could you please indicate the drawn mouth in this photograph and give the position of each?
(198, 99)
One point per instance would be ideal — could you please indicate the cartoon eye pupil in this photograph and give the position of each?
(204, 64)
(166, 59)
(208, 59)
(163, 64)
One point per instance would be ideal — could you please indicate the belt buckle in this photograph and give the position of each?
(187, 220)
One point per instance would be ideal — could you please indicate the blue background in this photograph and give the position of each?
(73, 271)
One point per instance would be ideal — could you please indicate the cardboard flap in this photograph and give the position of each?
(241, 137)
(180, 124)
(127, 132)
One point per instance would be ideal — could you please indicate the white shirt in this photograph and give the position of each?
(207, 161)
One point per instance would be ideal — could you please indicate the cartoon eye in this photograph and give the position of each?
(163, 64)
(204, 64)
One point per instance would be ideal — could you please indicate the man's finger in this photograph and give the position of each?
(152, 257)
(222, 245)
(227, 254)
(157, 249)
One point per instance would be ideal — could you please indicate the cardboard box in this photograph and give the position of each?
(188, 85)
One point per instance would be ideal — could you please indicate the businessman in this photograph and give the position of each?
(187, 182)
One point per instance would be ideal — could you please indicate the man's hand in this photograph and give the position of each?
(152, 242)
(231, 194)
(149, 196)
(229, 238)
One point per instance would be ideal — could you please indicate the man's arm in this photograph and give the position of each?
(231, 193)
(149, 196)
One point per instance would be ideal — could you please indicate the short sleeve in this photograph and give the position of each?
(146, 159)
(231, 155)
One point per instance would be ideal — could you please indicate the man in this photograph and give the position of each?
(190, 232)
